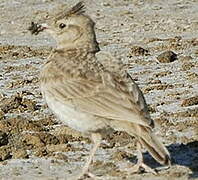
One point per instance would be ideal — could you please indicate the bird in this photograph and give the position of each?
(90, 96)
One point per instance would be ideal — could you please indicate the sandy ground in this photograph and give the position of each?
(34, 145)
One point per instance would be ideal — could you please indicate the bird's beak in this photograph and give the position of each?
(36, 28)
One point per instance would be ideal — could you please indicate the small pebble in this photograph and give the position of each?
(167, 57)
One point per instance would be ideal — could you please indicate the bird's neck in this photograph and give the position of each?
(75, 54)
(91, 47)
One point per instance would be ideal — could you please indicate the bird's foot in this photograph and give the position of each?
(138, 168)
(88, 174)
(162, 168)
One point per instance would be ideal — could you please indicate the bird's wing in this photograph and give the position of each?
(106, 96)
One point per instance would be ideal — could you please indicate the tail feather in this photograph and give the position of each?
(158, 151)
(151, 142)
(146, 138)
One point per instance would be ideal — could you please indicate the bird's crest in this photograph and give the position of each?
(78, 9)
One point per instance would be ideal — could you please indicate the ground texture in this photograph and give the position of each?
(34, 145)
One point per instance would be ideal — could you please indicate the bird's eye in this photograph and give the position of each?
(61, 25)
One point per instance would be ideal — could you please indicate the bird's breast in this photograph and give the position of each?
(72, 117)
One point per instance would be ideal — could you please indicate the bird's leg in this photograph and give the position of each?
(140, 163)
(96, 140)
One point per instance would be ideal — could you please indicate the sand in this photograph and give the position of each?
(35, 145)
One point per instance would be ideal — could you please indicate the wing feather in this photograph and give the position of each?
(101, 99)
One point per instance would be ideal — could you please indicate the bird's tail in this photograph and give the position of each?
(146, 138)
(151, 142)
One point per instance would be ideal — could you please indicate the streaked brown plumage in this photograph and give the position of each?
(92, 97)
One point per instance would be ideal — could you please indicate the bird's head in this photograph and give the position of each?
(70, 29)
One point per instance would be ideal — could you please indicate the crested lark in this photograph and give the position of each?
(92, 97)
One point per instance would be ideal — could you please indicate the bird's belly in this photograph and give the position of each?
(73, 118)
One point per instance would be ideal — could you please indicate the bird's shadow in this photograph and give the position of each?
(181, 154)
